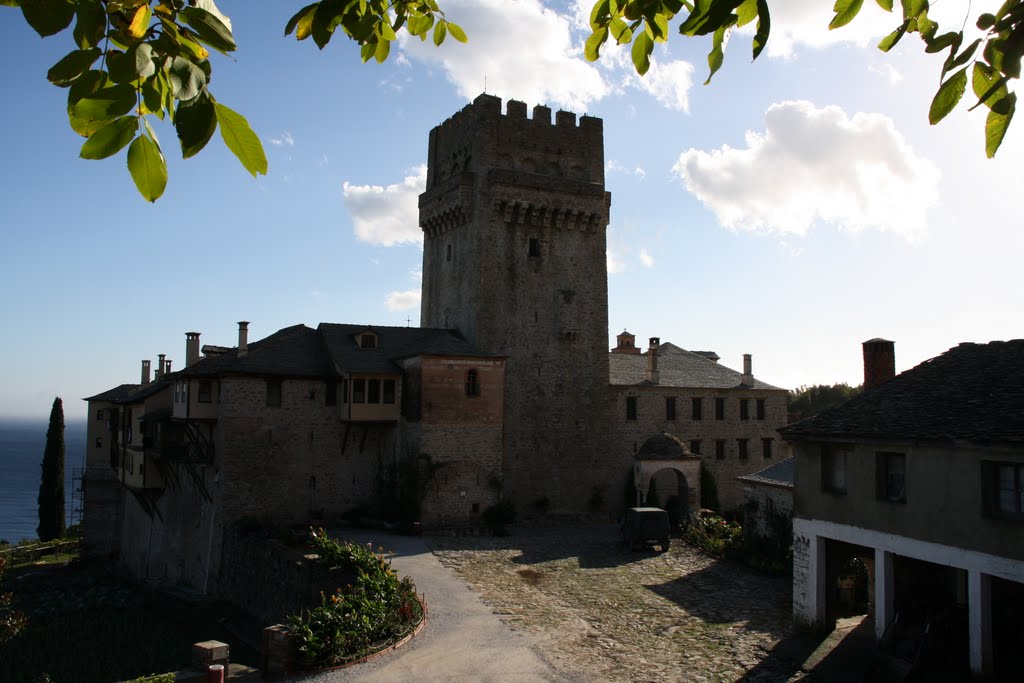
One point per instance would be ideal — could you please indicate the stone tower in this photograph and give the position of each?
(514, 219)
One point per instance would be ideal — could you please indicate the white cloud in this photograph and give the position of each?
(646, 259)
(403, 301)
(387, 216)
(668, 82)
(285, 139)
(615, 262)
(888, 72)
(613, 166)
(812, 165)
(523, 50)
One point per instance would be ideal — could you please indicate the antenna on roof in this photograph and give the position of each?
(408, 321)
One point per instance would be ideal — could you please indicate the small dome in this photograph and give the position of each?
(663, 447)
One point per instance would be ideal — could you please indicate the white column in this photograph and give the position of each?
(979, 607)
(883, 591)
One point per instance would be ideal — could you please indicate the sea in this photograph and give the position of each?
(22, 442)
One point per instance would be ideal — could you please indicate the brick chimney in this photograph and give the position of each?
(748, 371)
(145, 372)
(243, 338)
(167, 367)
(191, 348)
(879, 362)
(160, 365)
(652, 361)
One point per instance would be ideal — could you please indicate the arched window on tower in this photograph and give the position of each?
(472, 384)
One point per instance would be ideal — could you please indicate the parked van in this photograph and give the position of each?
(644, 527)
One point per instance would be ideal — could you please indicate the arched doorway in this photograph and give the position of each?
(664, 462)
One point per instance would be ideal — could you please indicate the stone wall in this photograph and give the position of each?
(761, 502)
(628, 435)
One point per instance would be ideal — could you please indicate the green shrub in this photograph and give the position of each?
(374, 611)
(715, 536)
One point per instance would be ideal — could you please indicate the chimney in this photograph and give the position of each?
(243, 338)
(879, 362)
(160, 365)
(652, 361)
(748, 371)
(191, 348)
(145, 372)
(167, 367)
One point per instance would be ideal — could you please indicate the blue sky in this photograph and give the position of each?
(794, 208)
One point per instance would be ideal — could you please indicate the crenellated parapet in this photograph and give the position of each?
(543, 215)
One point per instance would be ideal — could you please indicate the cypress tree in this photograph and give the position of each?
(51, 488)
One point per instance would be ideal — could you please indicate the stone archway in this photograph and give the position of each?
(666, 452)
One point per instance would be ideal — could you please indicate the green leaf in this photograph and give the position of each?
(845, 11)
(210, 29)
(141, 56)
(152, 96)
(641, 53)
(716, 56)
(885, 4)
(746, 12)
(240, 139)
(304, 13)
(592, 48)
(72, 65)
(147, 167)
(456, 32)
(764, 27)
(91, 25)
(997, 123)
(986, 21)
(988, 84)
(890, 40)
(110, 139)
(187, 79)
(940, 43)
(948, 96)
(94, 111)
(440, 31)
(48, 17)
(382, 51)
(195, 121)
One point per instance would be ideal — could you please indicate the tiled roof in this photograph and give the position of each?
(973, 393)
(779, 474)
(116, 394)
(295, 351)
(301, 351)
(677, 368)
(393, 343)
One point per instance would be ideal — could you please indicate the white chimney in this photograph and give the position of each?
(748, 371)
(145, 372)
(652, 361)
(191, 348)
(243, 338)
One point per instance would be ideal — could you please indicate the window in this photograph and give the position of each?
(891, 469)
(534, 248)
(472, 384)
(719, 408)
(1004, 482)
(99, 415)
(331, 393)
(99, 442)
(670, 407)
(448, 255)
(720, 449)
(631, 407)
(389, 391)
(741, 445)
(695, 446)
(833, 470)
(760, 409)
(205, 390)
(274, 393)
(368, 341)
(766, 448)
(373, 391)
(744, 408)
(359, 391)
(695, 408)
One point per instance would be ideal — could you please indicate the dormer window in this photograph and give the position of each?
(367, 340)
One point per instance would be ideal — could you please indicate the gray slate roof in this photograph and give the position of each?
(301, 351)
(677, 367)
(779, 474)
(972, 393)
(130, 393)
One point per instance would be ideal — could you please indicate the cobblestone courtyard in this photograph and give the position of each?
(597, 608)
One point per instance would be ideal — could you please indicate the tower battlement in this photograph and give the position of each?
(480, 137)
